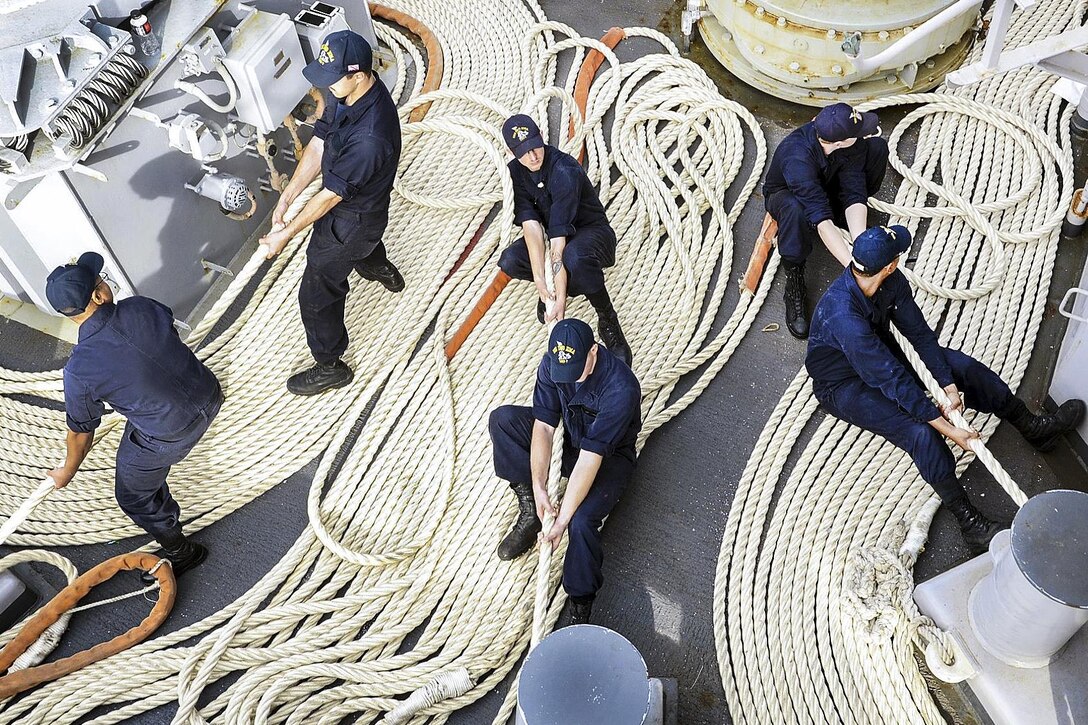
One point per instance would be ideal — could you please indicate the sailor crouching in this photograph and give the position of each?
(819, 180)
(130, 357)
(553, 196)
(598, 399)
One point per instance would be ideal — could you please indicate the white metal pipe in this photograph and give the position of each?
(1075, 219)
(1080, 201)
(900, 51)
(1080, 119)
(995, 36)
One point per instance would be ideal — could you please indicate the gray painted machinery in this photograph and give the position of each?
(152, 132)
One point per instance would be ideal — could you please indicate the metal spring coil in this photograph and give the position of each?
(19, 143)
(87, 112)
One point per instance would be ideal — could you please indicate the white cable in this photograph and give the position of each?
(228, 80)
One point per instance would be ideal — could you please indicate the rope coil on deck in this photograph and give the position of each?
(395, 581)
(813, 615)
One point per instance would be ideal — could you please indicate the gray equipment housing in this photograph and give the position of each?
(1016, 615)
(152, 183)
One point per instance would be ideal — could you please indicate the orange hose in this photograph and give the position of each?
(15, 682)
(760, 254)
(498, 284)
(590, 65)
(435, 63)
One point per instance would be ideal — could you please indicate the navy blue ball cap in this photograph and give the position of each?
(521, 134)
(342, 52)
(876, 247)
(568, 347)
(840, 121)
(69, 287)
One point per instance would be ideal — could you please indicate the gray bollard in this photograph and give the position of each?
(585, 675)
(1036, 598)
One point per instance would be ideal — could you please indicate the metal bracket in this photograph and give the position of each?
(189, 133)
(851, 46)
(213, 267)
(692, 14)
(909, 74)
(198, 56)
(12, 161)
(1070, 295)
(962, 667)
(1069, 64)
(1057, 54)
(88, 171)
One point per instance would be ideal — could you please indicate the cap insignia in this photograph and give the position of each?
(563, 353)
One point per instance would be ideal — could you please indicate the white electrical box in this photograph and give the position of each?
(264, 57)
(317, 22)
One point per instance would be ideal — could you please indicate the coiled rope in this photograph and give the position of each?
(812, 609)
(393, 594)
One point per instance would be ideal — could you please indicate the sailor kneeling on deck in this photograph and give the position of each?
(130, 356)
(598, 399)
(554, 196)
(861, 375)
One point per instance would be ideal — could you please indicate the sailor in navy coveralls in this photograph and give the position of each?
(861, 375)
(598, 399)
(356, 147)
(130, 357)
(819, 180)
(553, 196)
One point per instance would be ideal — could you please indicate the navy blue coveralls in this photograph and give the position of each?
(130, 356)
(561, 197)
(804, 186)
(362, 149)
(601, 415)
(861, 375)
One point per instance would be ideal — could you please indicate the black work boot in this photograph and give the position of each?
(1044, 431)
(796, 312)
(526, 527)
(608, 326)
(320, 377)
(386, 273)
(578, 610)
(182, 552)
(977, 530)
(612, 336)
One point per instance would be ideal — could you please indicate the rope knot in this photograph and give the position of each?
(877, 580)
